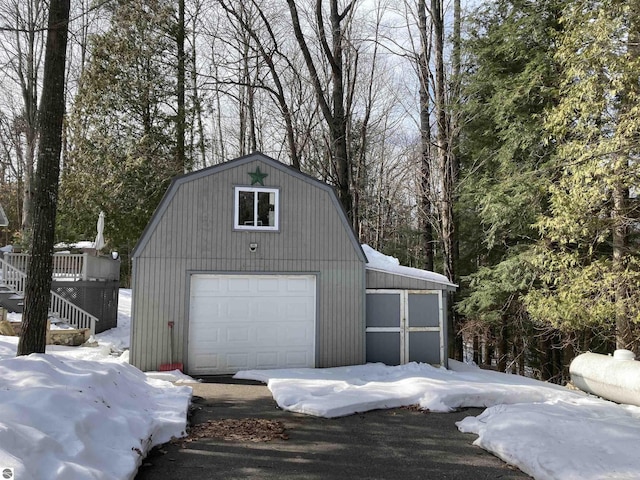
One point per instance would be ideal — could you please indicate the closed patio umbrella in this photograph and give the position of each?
(4, 222)
(99, 243)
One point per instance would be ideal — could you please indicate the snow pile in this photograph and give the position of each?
(77, 419)
(173, 376)
(84, 412)
(570, 440)
(546, 430)
(336, 392)
(385, 263)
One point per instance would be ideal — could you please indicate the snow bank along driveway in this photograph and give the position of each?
(546, 430)
(66, 418)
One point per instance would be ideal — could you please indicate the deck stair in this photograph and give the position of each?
(11, 301)
(12, 283)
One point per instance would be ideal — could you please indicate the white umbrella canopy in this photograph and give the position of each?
(4, 222)
(99, 243)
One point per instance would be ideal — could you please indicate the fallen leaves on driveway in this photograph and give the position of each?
(241, 430)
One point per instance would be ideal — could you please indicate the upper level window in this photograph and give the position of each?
(256, 208)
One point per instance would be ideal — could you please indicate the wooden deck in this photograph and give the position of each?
(66, 268)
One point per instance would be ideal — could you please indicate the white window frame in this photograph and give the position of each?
(256, 190)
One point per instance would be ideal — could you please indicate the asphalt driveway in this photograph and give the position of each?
(383, 444)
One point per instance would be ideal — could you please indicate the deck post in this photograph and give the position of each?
(85, 261)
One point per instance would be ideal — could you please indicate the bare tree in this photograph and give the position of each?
(23, 51)
(332, 104)
(262, 42)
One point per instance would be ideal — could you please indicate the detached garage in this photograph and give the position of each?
(252, 264)
(248, 264)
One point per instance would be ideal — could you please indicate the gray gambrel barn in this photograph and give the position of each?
(252, 264)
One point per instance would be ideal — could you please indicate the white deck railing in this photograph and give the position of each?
(59, 307)
(72, 266)
(12, 277)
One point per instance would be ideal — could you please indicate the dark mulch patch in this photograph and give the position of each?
(239, 430)
(415, 408)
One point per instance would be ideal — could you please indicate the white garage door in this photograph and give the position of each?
(239, 322)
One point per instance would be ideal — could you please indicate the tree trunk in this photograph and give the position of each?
(197, 102)
(624, 331)
(476, 349)
(625, 337)
(38, 285)
(426, 195)
(339, 123)
(446, 174)
(442, 145)
(181, 159)
(503, 347)
(454, 172)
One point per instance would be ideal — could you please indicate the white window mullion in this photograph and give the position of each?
(255, 209)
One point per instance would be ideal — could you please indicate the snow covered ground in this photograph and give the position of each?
(79, 413)
(84, 413)
(547, 431)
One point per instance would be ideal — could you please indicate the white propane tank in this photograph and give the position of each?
(614, 377)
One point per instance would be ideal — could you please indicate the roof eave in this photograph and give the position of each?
(449, 285)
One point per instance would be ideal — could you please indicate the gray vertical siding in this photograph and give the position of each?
(192, 231)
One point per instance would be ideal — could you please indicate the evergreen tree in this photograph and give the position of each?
(123, 140)
(509, 87)
(588, 259)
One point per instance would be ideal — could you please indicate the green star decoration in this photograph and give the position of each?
(258, 177)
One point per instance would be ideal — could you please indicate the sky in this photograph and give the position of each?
(84, 413)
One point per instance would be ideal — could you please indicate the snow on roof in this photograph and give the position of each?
(81, 244)
(385, 263)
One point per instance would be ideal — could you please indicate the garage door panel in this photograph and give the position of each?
(296, 284)
(267, 336)
(238, 311)
(238, 361)
(238, 335)
(296, 359)
(267, 284)
(209, 307)
(296, 309)
(209, 336)
(267, 360)
(206, 360)
(295, 335)
(205, 288)
(266, 309)
(246, 322)
(239, 284)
